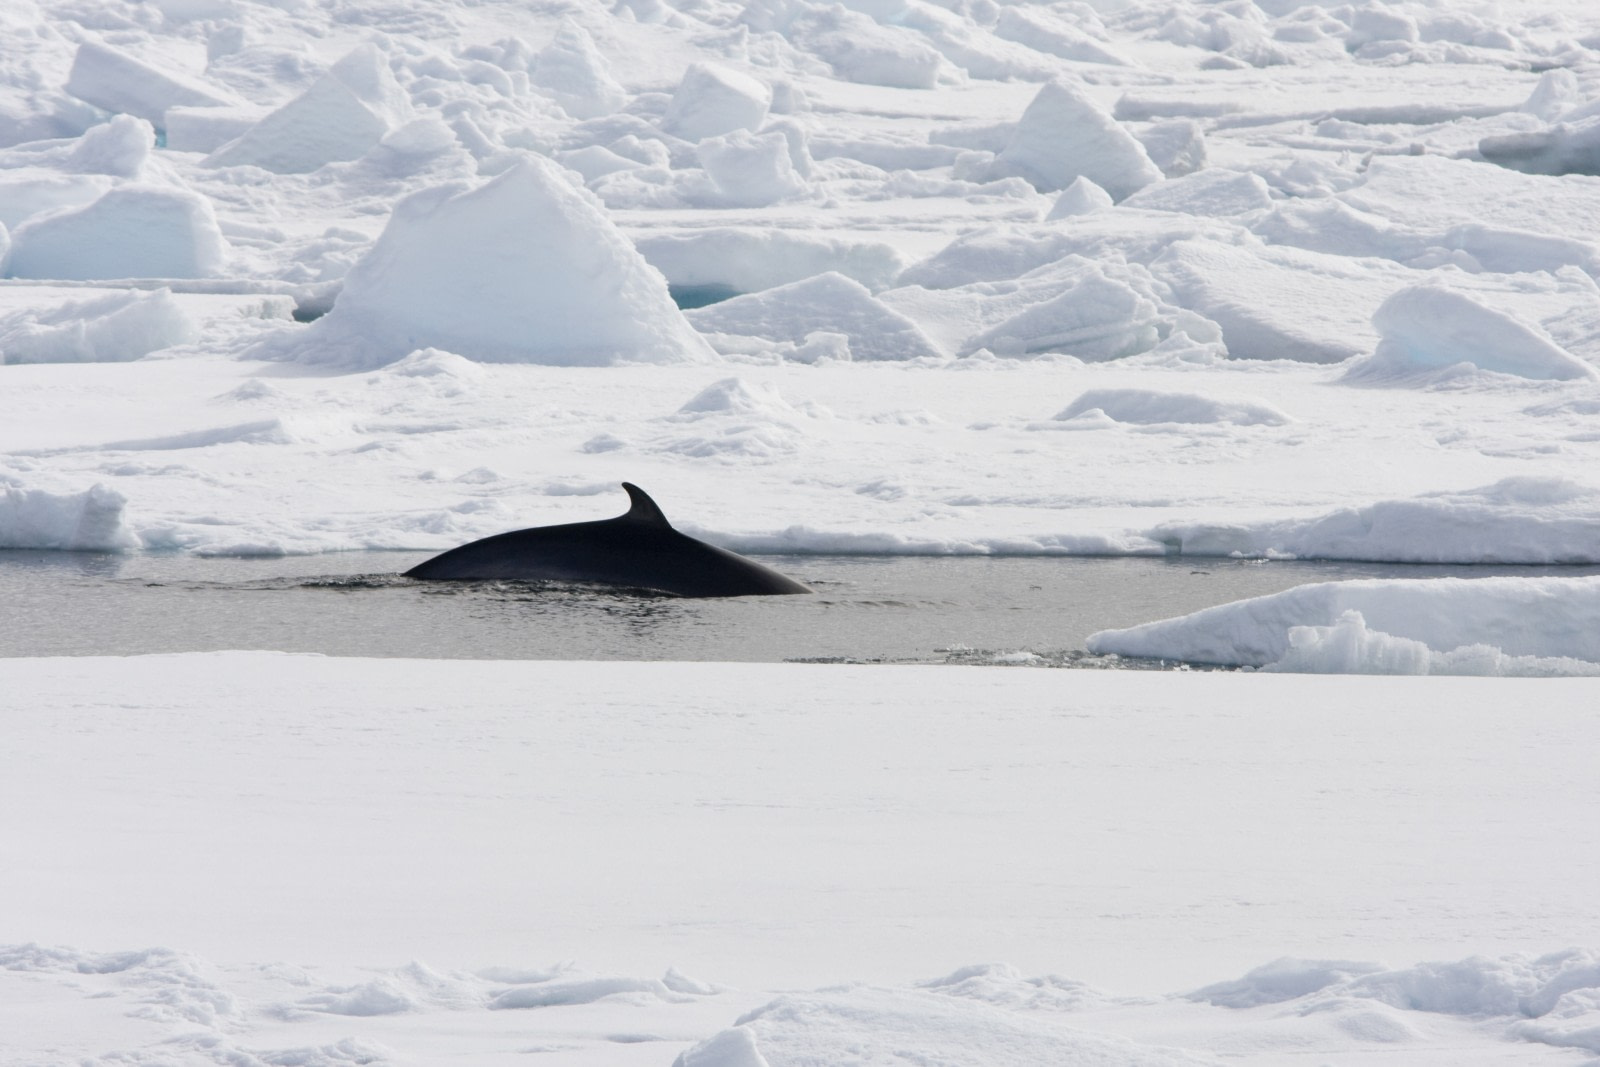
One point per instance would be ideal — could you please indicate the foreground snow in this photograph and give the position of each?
(706, 843)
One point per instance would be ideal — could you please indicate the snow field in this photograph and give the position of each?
(706, 839)
(1243, 200)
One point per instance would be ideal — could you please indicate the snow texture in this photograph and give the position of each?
(90, 521)
(1517, 520)
(750, 170)
(342, 116)
(748, 260)
(1178, 279)
(1388, 626)
(1428, 328)
(119, 83)
(760, 794)
(713, 100)
(573, 71)
(901, 1028)
(1145, 407)
(132, 231)
(1082, 197)
(828, 302)
(562, 285)
(109, 329)
(1065, 134)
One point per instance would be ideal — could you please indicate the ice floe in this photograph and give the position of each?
(110, 328)
(1146, 407)
(828, 302)
(1525, 520)
(342, 116)
(1428, 330)
(580, 293)
(131, 231)
(1504, 626)
(1065, 134)
(88, 521)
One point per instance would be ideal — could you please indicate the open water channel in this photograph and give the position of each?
(866, 609)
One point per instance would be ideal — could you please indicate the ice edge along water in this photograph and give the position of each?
(707, 844)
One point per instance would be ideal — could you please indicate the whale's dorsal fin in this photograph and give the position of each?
(644, 511)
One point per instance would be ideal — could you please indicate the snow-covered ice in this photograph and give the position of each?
(563, 287)
(230, 855)
(866, 201)
(1258, 279)
(1064, 135)
(342, 116)
(132, 231)
(1488, 625)
(713, 100)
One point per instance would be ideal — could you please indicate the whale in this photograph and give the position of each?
(636, 550)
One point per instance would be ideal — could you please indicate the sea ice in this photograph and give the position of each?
(1082, 197)
(112, 328)
(1177, 146)
(206, 129)
(116, 81)
(120, 147)
(525, 268)
(1349, 646)
(1042, 30)
(1065, 133)
(1429, 330)
(131, 231)
(712, 100)
(1564, 148)
(903, 1028)
(1334, 195)
(572, 70)
(761, 795)
(1393, 626)
(1519, 520)
(90, 521)
(1279, 303)
(826, 302)
(1333, 226)
(750, 259)
(854, 46)
(594, 162)
(1092, 317)
(1146, 407)
(342, 116)
(1208, 193)
(29, 191)
(750, 170)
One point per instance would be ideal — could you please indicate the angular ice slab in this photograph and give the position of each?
(525, 268)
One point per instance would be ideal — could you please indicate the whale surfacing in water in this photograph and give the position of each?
(639, 550)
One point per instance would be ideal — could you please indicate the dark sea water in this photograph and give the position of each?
(866, 609)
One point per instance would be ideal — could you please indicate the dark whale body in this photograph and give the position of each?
(639, 550)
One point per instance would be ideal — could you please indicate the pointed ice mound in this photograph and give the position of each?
(1065, 134)
(572, 70)
(526, 268)
(713, 100)
(341, 117)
